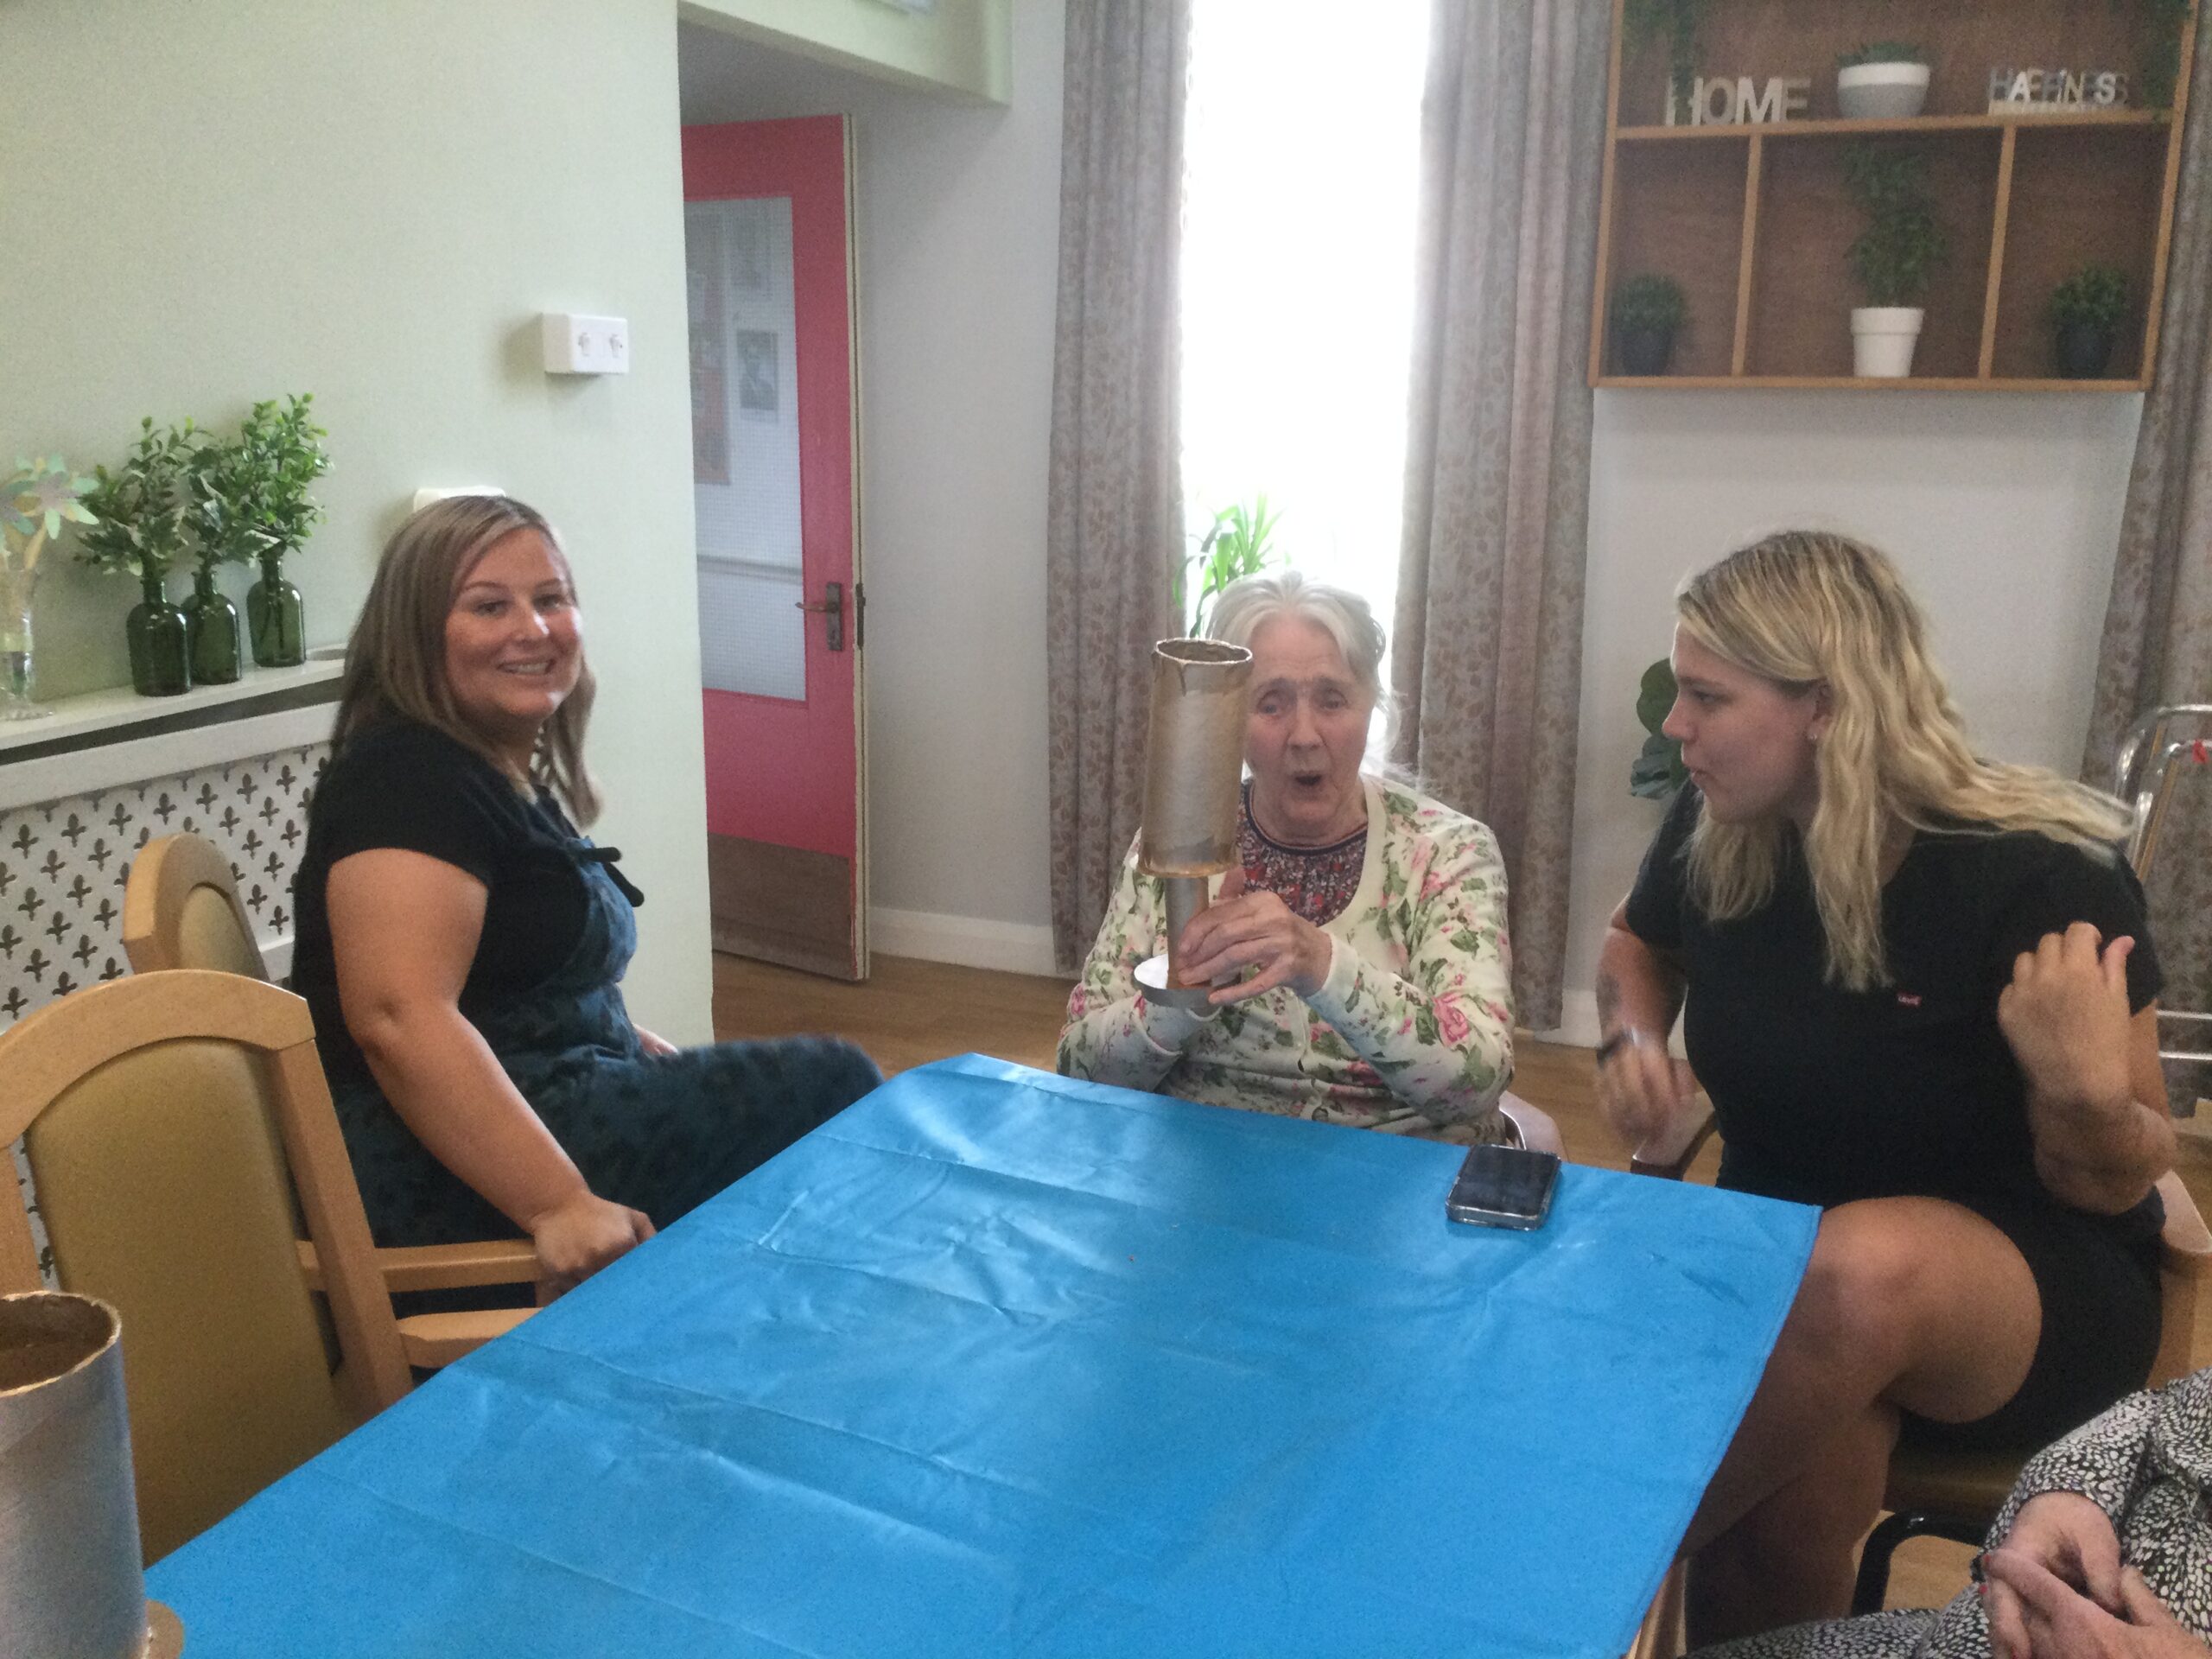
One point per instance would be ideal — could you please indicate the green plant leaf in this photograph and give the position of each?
(1655, 694)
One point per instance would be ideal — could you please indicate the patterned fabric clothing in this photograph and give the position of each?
(1412, 1031)
(2146, 1463)
(1316, 882)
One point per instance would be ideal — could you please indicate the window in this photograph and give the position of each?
(1302, 160)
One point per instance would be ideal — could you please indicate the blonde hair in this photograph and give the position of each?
(1806, 609)
(396, 660)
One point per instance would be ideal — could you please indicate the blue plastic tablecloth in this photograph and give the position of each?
(997, 1363)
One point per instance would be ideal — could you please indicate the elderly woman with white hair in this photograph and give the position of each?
(1358, 955)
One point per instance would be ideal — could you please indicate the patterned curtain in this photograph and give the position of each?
(1488, 658)
(1117, 511)
(2158, 637)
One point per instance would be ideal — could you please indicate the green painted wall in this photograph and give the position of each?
(212, 203)
(964, 47)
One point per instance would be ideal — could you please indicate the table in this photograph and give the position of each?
(999, 1363)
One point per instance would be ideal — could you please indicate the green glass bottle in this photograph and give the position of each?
(211, 629)
(160, 658)
(276, 618)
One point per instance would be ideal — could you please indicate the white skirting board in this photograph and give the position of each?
(1578, 1021)
(969, 941)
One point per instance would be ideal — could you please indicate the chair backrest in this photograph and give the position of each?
(181, 909)
(179, 1130)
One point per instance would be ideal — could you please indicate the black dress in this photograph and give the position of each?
(1826, 1096)
(661, 1135)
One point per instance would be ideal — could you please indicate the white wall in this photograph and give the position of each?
(212, 203)
(958, 237)
(2003, 509)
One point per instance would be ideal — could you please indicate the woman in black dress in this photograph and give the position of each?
(1919, 993)
(461, 944)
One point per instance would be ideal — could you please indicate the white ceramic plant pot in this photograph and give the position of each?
(1882, 339)
(1881, 92)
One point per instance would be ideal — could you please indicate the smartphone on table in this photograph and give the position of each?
(1504, 1187)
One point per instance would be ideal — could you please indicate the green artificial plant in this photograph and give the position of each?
(1657, 773)
(1651, 303)
(1239, 543)
(2094, 297)
(1679, 19)
(141, 510)
(283, 455)
(1897, 256)
(1882, 52)
(2160, 69)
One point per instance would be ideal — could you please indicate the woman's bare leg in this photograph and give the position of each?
(1909, 1304)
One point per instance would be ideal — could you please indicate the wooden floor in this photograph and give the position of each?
(910, 1012)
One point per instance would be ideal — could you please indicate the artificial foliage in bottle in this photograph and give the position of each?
(282, 445)
(141, 512)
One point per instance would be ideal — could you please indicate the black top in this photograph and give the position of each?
(408, 786)
(1825, 1096)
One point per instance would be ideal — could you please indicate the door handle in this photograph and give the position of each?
(833, 608)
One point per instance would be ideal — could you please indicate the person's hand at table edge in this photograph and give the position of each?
(577, 1238)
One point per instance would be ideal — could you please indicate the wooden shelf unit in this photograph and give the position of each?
(1754, 220)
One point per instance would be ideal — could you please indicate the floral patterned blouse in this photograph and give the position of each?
(1411, 1032)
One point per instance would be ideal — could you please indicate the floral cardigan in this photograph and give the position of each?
(1412, 1031)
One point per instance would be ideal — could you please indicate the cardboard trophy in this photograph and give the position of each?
(1194, 765)
(70, 1580)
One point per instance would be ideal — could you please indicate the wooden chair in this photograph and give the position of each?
(181, 909)
(180, 1137)
(1945, 1494)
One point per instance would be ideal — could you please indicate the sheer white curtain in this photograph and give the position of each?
(1302, 152)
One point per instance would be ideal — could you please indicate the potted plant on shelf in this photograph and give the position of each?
(2086, 311)
(140, 512)
(35, 501)
(284, 453)
(225, 484)
(1657, 773)
(1886, 81)
(1895, 258)
(1646, 314)
(1679, 20)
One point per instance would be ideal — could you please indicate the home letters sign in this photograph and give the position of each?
(1725, 101)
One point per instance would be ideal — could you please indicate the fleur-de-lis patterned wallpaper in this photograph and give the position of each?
(63, 865)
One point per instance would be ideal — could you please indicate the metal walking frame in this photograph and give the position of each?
(2166, 744)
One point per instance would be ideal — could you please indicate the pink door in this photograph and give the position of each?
(768, 243)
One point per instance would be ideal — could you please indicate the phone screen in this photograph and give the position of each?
(1502, 1186)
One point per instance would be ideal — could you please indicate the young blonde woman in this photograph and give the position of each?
(1919, 993)
(461, 943)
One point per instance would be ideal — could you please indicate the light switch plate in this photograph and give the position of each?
(579, 344)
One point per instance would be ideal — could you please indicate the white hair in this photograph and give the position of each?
(1251, 601)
